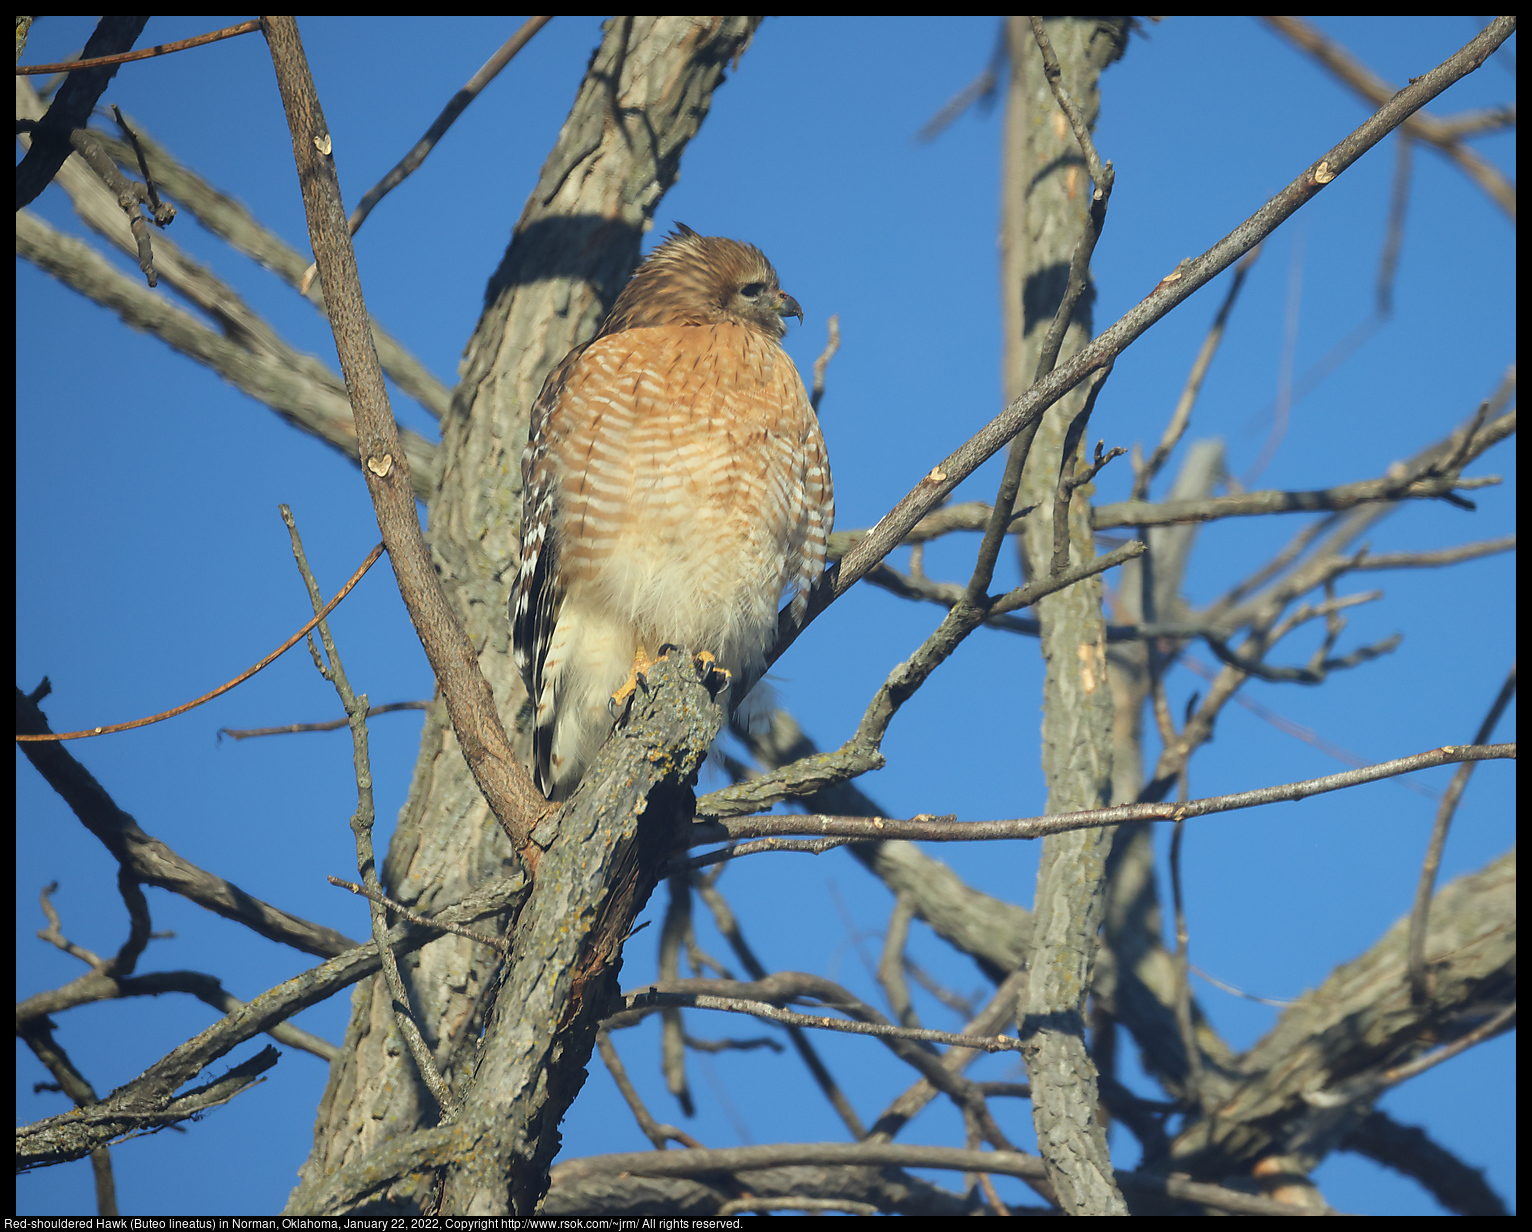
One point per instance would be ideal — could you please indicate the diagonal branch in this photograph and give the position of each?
(1373, 90)
(500, 774)
(1188, 277)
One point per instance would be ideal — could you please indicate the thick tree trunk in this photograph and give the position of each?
(1046, 197)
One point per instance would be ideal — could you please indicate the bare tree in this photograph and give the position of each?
(467, 1047)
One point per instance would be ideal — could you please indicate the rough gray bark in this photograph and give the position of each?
(561, 979)
(644, 95)
(1314, 1077)
(1046, 195)
(600, 865)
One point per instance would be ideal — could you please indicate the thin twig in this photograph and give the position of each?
(1099, 171)
(414, 917)
(1183, 993)
(657, 1133)
(943, 830)
(1393, 236)
(832, 345)
(1420, 913)
(653, 999)
(674, 933)
(288, 729)
(811, 846)
(163, 49)
(407, 165)
(981, 90)
(372, 559)
(1069, 482)
(332, 669)
(891, 963)
(163, 212)
(1181, 417)
(1370, 1086)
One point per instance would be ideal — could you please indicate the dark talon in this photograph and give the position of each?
(714, 678)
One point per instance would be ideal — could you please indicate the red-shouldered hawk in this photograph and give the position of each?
(675, 486)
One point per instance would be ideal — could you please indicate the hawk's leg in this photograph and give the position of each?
(622, 700)
(713, 676)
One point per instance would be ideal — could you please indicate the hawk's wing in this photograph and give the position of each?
(539, 593)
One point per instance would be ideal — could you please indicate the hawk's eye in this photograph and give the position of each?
(752, 290)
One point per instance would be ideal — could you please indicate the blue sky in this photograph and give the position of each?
(151, 565)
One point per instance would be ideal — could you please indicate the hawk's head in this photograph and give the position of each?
(694, 279)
